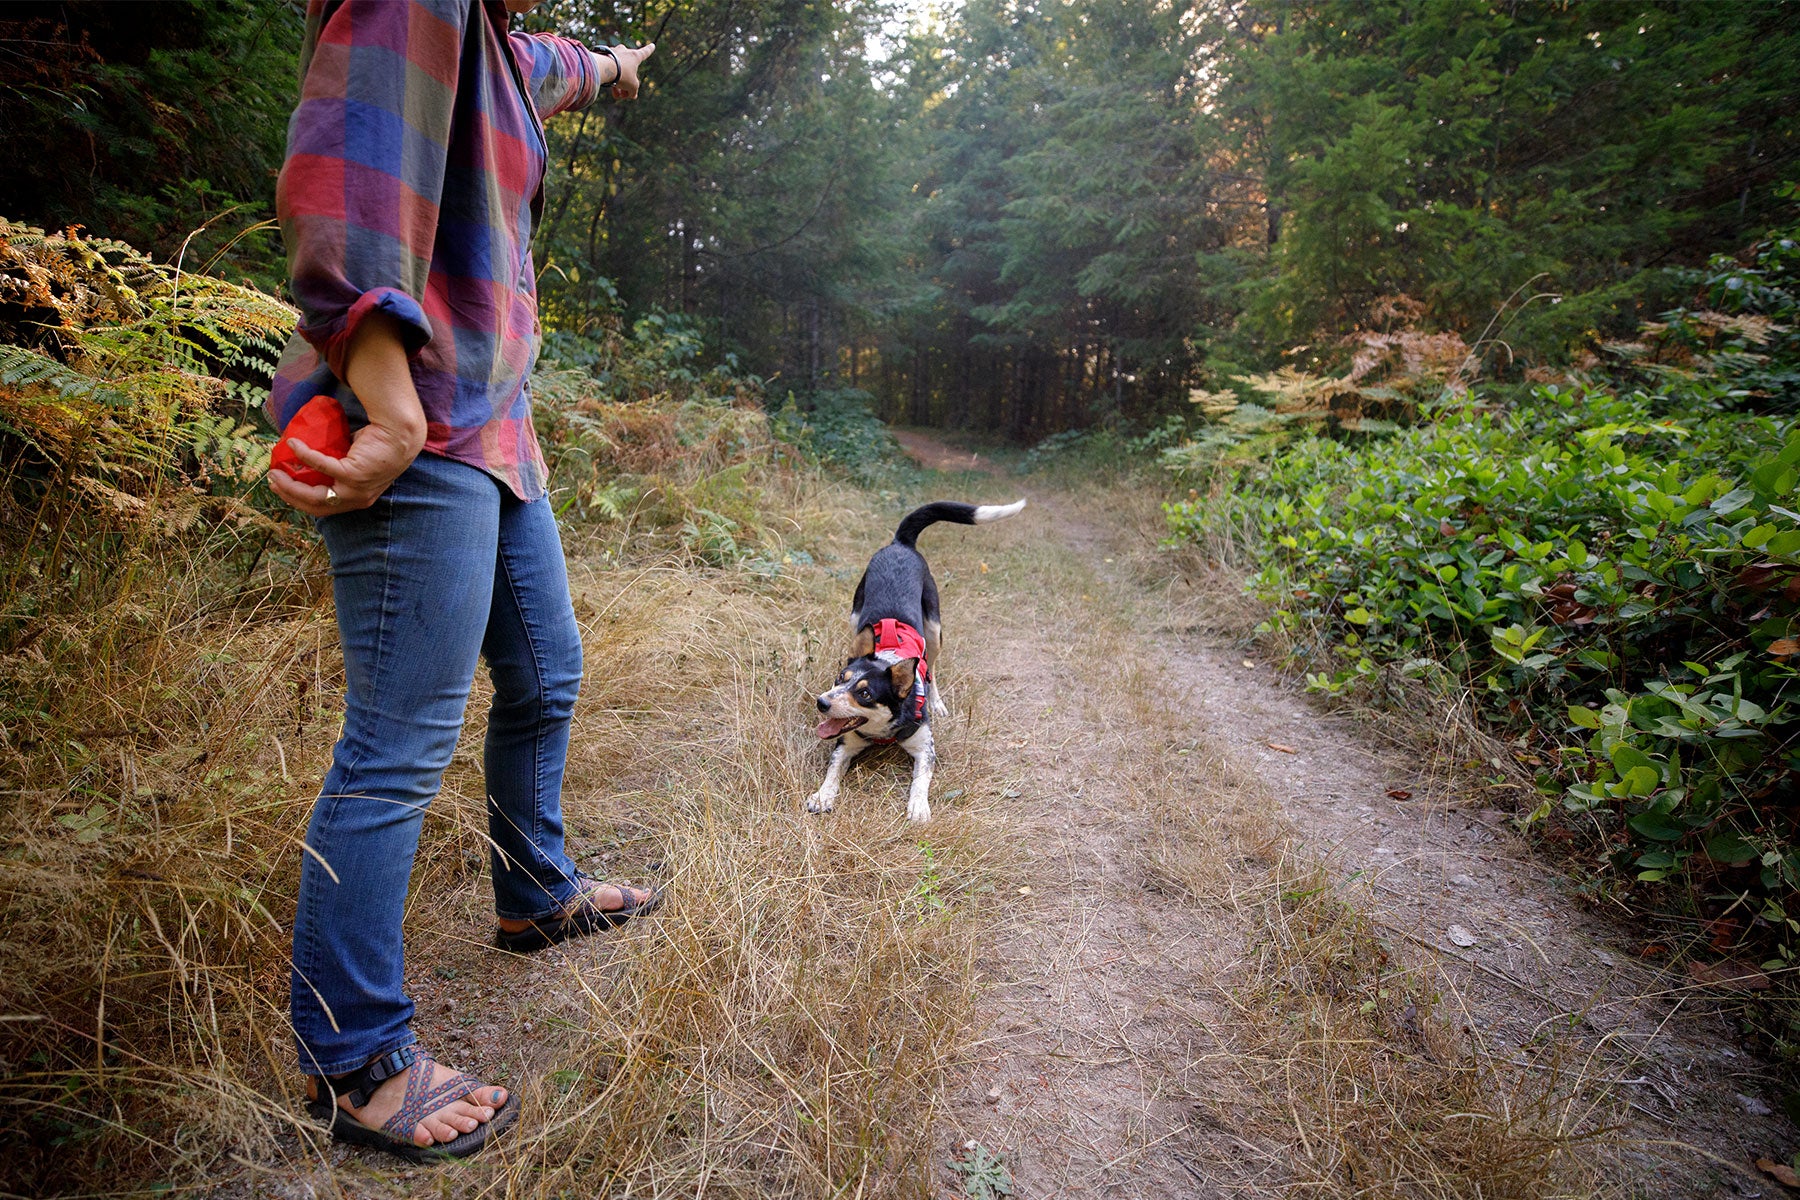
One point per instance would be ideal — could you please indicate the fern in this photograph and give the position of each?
(126, 390)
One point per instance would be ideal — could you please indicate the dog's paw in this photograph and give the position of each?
(938, 707)
(819, 803)
(918, 810)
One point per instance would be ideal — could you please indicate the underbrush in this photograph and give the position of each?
(170, 689)
(1606, 570)
(838, 426)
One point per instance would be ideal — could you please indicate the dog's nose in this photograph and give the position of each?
(824, 704)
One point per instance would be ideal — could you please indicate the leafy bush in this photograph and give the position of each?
(642, 437)
(838, 426)
(1614, 573)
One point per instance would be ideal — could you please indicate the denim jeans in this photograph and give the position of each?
(445, 568)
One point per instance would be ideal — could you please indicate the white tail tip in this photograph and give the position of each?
(996, 512)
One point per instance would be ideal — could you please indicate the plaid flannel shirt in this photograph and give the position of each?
(412, 183)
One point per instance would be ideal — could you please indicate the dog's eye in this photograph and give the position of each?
(862, 692)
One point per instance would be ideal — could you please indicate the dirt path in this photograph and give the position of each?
(1116, 1059)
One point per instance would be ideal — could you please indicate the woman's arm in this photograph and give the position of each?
(376, 369)
(563, 75)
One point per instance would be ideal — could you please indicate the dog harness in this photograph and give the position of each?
(903, 641)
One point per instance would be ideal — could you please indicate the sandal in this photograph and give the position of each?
(586, 919)
(395, 1135)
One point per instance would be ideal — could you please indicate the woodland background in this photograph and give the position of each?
(1461, 334)
(1021, 217)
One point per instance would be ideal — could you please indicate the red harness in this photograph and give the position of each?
(899, 638)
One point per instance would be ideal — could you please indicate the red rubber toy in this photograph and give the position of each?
(321, 424)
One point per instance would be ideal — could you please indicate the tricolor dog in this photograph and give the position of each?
(885, 693)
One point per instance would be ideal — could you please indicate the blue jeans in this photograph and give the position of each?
(445, 568)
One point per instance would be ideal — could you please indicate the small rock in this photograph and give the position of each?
(1606, 958)
(1464, 881)
(1461, 936)
(993, 1096)
(1753, 1106)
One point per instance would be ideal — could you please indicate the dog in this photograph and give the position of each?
(886, 693)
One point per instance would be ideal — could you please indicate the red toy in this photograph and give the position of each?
(321, 424)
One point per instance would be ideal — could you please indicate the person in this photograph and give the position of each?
(407, 200)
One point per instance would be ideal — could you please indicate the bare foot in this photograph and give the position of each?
(444, 1124)
(605, 897)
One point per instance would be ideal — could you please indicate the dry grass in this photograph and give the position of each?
(779, 1030)
(1349, 1069)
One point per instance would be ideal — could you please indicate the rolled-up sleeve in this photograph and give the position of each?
(360, 188)
(561, 71)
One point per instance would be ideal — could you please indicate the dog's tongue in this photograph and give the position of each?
(830, 727)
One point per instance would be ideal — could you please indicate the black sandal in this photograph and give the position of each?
(395, 1135)
(547, 931)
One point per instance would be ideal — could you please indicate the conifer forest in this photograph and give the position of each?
(1372, 765)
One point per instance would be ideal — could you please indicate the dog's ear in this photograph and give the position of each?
(903, 675)
(863, 644)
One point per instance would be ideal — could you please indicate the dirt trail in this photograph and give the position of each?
(1109, 995)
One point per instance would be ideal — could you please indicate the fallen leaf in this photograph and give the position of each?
(1248, 663)
(1784, 647)
(1461, 936)
(984, 568)
(1757, 576)
(1721, 934)
(1731, 975)
(1446, 528)
(1780, 1172)
(1282, 748)
(1653, 950)
(1024, 891)
(1399, 794)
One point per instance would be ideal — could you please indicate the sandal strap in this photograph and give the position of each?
(450, 1091)
(359, 1085)
(634, 897)
(422, 1099)
(400, 1126)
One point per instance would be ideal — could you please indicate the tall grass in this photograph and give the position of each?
(170, 688)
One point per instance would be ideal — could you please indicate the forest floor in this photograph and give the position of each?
(1219, 941)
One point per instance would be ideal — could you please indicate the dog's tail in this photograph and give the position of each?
(949, 510)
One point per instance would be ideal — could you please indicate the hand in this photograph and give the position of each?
(377, 457)
(625, 87)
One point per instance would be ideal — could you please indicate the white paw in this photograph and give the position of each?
(819, 802)
(918, 810)
(938, 707)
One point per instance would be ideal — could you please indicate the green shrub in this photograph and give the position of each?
(838, 427)
(1615, 574)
